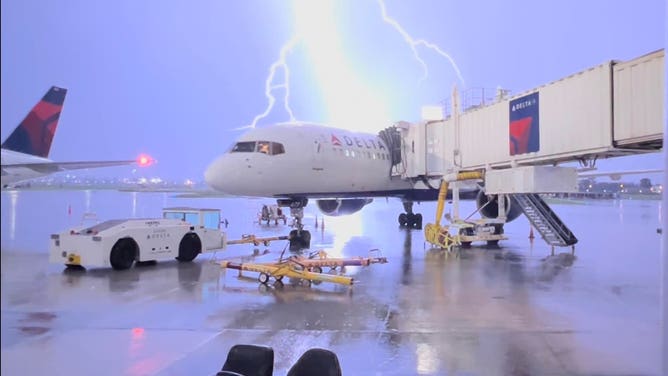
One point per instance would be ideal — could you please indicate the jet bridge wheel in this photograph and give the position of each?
(498, 230)
(123, 254)
(468, 231)
(189, 247)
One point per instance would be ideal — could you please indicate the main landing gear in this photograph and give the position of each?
(409, 219)
(299, 238)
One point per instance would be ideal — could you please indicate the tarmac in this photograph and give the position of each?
(512, 310)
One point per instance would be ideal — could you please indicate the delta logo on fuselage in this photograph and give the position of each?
(354, 141)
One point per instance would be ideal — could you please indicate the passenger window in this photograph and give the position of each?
(263, 147)
(277, 148)
(244, 147)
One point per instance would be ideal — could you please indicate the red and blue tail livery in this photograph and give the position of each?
(25, 152)
(35, 133)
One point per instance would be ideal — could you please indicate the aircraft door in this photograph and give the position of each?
(319, 146)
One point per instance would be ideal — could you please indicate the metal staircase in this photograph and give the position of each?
(546, 221)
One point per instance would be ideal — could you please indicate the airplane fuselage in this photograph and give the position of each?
(305, 160)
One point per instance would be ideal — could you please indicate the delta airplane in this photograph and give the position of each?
(25, 152)
(341, 170)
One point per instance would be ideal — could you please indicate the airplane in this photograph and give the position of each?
(25, 152)
(342, 171)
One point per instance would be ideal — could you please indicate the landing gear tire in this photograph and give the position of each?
(299, 240)
(403, 220)
(189, 247)
(123, 254)
(417, 221)
(410, 220)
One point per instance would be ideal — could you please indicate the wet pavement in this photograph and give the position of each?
(514, 310)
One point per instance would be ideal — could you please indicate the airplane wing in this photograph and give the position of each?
(208, 194)
(50, 167)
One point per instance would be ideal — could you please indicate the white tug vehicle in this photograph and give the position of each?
(182, 233)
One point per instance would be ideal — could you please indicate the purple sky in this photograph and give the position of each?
(174, 79)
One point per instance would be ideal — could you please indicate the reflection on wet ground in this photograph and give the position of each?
(513, 310)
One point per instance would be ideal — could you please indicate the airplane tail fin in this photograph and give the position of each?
(35, 133)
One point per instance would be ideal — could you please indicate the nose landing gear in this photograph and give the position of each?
(409, 219)
(299, 238)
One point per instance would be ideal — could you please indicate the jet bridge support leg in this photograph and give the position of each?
(410, 219)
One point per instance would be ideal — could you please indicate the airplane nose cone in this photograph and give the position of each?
(215, 173)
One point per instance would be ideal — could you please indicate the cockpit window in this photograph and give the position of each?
(277, 148)
(264, 147)
(244, 147)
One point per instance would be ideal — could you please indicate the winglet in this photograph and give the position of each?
(35, 133)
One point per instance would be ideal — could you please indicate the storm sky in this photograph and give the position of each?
(176, 79)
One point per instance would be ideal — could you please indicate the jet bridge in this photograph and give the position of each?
(609, 110)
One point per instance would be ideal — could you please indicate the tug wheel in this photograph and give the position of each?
(263, 278)
(316, 269)
(189, 247)
(123, 254)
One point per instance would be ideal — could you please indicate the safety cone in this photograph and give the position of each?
(531, 237)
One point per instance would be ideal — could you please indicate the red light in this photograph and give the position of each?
(144, 160)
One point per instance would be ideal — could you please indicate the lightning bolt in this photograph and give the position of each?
(269, 87)
(287, 48)
(414, 43)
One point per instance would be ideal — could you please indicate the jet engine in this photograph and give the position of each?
(491, 210)
(338, 207)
